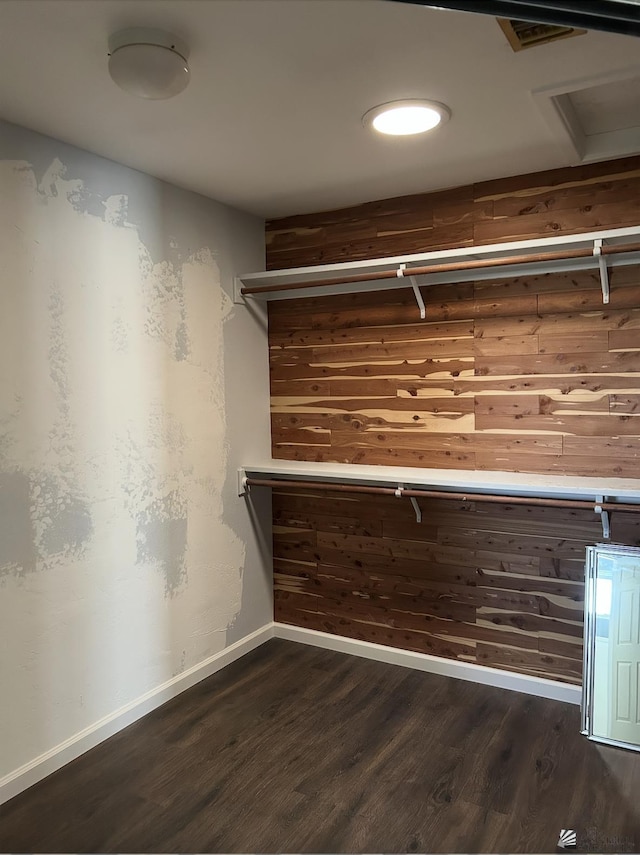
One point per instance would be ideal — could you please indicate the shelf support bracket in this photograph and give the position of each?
(243, 488)
(418, 296)
(604, 517)
(604, 273)
(412, 499)
(401, 273)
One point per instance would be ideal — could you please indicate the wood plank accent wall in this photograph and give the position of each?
(499, 585)
(543, 204)
(527, 374)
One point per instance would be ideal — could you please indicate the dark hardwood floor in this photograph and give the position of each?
(295, 749)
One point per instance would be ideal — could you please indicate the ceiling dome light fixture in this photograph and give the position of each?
(149, 63)
(406, 118)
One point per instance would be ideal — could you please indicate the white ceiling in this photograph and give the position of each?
(608, 107)
(271, 122)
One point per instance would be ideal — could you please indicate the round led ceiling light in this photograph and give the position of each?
(148, 63)
(406, 118)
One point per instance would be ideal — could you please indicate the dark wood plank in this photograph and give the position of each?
(295, 749)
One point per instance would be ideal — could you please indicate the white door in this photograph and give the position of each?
(624, 642)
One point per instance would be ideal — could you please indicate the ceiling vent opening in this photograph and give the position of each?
(527, 34)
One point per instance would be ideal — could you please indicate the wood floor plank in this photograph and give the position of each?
(296, 749)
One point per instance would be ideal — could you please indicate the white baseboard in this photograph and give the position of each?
(18, 780)
(539, 686)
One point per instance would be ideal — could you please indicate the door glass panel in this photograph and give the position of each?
(612, 645)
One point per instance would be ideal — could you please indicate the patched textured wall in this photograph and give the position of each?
(124, 554)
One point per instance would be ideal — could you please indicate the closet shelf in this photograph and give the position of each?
(599, 250)
(507, 484)
(601, 495)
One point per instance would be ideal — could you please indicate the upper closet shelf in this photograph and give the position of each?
(593, 250)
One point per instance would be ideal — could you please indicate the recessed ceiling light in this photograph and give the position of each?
(148, 63)
(405, 118)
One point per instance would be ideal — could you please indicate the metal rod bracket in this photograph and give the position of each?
(243, 487)
(399, 490)
(416, 508)
(238, 297)
(604, 273)
(604, 517)
(418, 295)
(401, 273)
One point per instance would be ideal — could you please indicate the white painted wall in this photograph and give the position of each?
(131, 388)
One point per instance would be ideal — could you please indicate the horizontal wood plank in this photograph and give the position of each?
(470, 575)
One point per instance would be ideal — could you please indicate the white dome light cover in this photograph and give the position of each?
(148, 63)
(406, 117)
